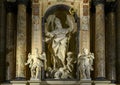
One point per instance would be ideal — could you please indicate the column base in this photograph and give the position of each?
(113, 81)
(20, 79)
(19, 82)
(102, 83)
(100, 79)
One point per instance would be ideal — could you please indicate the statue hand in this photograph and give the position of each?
(26, 63)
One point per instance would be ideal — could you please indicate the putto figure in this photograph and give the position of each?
(36, 61)
(85, 62)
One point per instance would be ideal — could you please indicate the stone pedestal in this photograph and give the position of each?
(85, 82)
(21, 40)
(19, 82)
(99, 40)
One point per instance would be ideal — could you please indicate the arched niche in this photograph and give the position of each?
(57, 57)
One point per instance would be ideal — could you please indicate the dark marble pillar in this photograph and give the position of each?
(118, 40)
(10, 44)
(111, 43)
(99, 40)
(2, 40)
(21, 40)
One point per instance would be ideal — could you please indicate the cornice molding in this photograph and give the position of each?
(96, 2)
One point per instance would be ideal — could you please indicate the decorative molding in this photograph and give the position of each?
(111, 6)
(22, 2)
(96, 2)
(85, 23)
(35, 9)
(11, 0)
(85, 1)
(11, 6)
(36, 1)
(60, 0)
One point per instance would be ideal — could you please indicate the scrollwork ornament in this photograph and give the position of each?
(72, 11)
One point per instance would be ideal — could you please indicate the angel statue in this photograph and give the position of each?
(85, 62)
(58, 40)
(36, 61)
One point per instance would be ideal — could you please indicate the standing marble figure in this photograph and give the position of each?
(35, 62)
(58, 40)
(85, 62)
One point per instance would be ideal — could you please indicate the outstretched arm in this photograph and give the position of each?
(70, 22)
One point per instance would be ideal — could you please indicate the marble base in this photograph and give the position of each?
(19, 82)
(6, 84)
(102, 82)
(35, 82)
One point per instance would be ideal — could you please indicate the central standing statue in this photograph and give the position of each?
(58, 41)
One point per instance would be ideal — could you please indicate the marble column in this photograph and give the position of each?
(111, 44)
(2, 40)
(10, 44)
(118, 40)
(21, 40)
(99, 40)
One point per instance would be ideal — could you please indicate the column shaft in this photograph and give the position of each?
(10, 45)
(111, 47)
(100, 42)
(118, 41)
(2, 40)
(21, 42)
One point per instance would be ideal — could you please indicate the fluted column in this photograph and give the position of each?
(10, 44)
(99, 40)
(118, 40)
(111, 43)
(21, 40)
(2, 40)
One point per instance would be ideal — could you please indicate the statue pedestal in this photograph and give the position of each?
(102, 82)
(19, 82)
(86, 82)
(35, 82)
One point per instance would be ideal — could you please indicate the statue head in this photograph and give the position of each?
(69, 54)
(58, 23)
(85, 51)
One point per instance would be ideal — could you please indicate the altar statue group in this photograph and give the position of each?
(63, 60)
